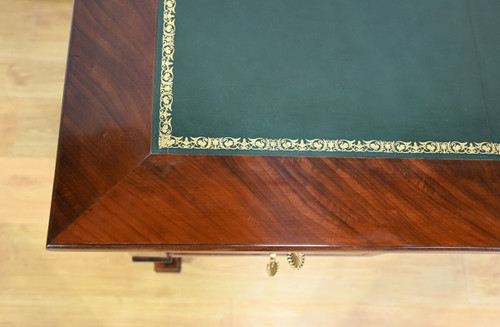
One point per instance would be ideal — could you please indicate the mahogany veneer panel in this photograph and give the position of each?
(111, 193)
(106, 118)
(185, 201)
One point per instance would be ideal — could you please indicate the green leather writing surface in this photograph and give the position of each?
(411, 78)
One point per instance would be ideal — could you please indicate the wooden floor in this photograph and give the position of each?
(40, 288)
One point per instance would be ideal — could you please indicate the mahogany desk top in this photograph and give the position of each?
(113, 192)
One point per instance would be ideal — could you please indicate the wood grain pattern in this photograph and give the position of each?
(110, 193)
(107, 106)
(40, 288)
(319, 204)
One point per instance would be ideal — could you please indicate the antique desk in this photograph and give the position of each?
(259, 126)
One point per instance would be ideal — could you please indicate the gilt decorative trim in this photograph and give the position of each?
(168, 141)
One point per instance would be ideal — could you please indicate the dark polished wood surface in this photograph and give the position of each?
(107, 106)
(111, 193)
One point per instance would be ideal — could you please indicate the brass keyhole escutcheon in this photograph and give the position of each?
(273, 266)
(296, 260)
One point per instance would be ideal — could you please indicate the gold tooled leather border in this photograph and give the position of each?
(168, 141)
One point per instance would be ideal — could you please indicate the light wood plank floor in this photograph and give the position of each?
(40, 288)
